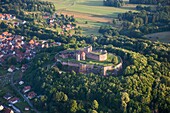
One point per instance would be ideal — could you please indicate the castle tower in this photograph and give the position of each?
(83, 55)
(78, 57)
(89, 49)
(82, 68)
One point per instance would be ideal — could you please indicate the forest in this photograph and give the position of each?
(114, 3)
(164, 2)
(137, 24)
(142, 86)
(20, 7)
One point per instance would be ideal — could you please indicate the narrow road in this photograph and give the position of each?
(24, 97)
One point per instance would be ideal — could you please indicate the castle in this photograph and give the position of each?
(81, 61)
(98, 55)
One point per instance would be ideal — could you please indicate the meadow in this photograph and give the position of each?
(90, 14)
(161, 36)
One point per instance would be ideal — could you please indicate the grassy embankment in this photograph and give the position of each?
(108, 62)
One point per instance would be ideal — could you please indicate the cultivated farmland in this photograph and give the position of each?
(161, 36)
(91, 11)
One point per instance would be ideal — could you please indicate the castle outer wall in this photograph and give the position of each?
(103, 57)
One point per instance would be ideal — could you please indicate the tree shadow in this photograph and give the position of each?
(108, 15)
(92, 3)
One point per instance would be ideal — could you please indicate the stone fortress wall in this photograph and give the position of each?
(103, 57)
(91, 54)
(87, 68)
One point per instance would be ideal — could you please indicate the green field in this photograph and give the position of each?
(91, 11)
(161, 36)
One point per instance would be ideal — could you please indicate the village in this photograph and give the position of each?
(12, 100)
(15, 49)
(9, 18)
(61, 22)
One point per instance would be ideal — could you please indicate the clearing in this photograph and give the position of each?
(161, 36)
(89, 14)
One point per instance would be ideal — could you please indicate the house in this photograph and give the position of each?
(7, 96)
(24, 22)
(5, 33)
(2, 17)
(1, 37)
(11, 69)
(26, 89)
(51, 20)
(31, 42)
(1, 107)
(31, 95)
(13, 17)
(27, 108)
(7, 110)
(21, 82)
(14, 100)
(7, 16)
(24, 67)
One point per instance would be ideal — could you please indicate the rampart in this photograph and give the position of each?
(98, 55)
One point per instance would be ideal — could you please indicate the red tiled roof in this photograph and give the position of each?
(7, 110)
(31, 94)
(13, 99)
(83, 53)
(27, 87)
(31, 42)
(1, 36)
(5, 33)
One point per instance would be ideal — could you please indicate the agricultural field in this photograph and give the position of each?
(90, 14)
(161, 36)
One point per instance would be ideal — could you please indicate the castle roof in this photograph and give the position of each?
(83, 53)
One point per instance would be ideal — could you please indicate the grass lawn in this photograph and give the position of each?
(21, 105)
(2, 71)
(92, 11)
(3, 91)
(108, 62)
(161, 36)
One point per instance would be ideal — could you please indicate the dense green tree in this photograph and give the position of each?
(95, 105)
(115, 3)
(73, 106)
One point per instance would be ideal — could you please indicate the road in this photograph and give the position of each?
(24, 97)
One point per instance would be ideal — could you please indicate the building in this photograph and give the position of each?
(7, 110)
(26, 89)
(27, 108)
(21, 82)
(7, 96)
(83, 55)
(11, 69)
(78, 57)
(1, 107)
(77, 61)
(31, 95)
(14, 100)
